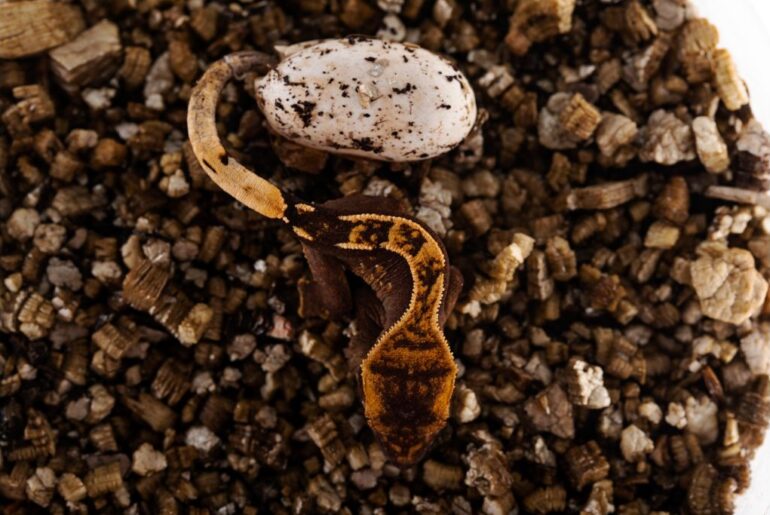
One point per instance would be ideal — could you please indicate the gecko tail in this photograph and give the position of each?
(230, 175)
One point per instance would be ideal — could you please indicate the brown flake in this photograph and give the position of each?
(91, 57)
(355, 14)
(182, 60)
(204, 21)
(639, 23)
(551, 411)
(114, 341)
(673, 204)
(550, 499)
(728, 83)
(34, 26)
(298, 157)
(585, 385)
(580, 118)
(323, 432)
(71, 488)
(103, 479)
(752, 162)
(607, 195)
(488, 470)
(667, 139)
(152, 411)
(662, 235)
(697, 42)
(136, 64)
(616, 137)
(586, 464)
(27, 312)
(540, 284)
(642, 67)
(535, 21)
(562, 261)
(441, 477)
(600, 500)
(146, 288)
(710, 146)
(34, 105)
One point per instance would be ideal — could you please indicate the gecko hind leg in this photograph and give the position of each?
(369, 322)
(325, 293)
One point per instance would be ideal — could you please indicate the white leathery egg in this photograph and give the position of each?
(366, 97)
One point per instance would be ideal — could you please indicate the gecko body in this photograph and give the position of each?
(407, 371)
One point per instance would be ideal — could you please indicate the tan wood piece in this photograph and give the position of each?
(92, 56)
(34, 26)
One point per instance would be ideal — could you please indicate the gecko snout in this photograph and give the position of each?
(407, 406)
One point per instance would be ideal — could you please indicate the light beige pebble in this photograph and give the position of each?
(676, 415)
(49, 238)
(662, 235)
(727, 283)
(22, 223)
(756, 349)
(711, 148)
(467, 408)
(702, 419)
(147, 460)
(634, 443)
(651, 411)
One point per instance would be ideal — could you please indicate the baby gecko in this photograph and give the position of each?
(407, 371)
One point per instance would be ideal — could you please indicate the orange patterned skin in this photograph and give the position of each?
(408, 373)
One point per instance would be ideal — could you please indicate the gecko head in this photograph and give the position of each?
(407, 401)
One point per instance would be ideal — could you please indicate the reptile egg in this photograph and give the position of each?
(370, 98)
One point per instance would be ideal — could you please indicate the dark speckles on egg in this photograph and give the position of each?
(305, 111)
(289, 82)
(367, 144)
(409, 87)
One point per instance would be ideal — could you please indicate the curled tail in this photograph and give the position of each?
(230, 175)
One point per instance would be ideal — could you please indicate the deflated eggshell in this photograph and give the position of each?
(367, 97)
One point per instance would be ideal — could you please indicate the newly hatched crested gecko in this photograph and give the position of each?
(408, 373)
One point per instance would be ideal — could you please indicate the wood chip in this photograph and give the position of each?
(607, 195)
(31, 27)
(91, 57)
